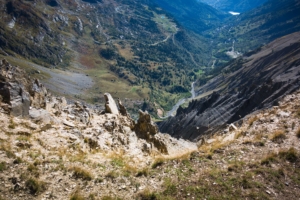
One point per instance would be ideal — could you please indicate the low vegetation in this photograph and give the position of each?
(79, 172)
(35, 186)
(278, 136)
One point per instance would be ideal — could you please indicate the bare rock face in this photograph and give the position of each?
(38, 94)
(145, 128)
(110, 104)
(14, 90)
(260, 81)
(123, 110)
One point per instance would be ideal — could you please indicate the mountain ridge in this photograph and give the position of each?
(245, 85)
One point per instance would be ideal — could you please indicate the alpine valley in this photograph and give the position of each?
(149, 100)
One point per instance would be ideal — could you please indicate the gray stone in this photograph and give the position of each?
(123, 110)
(41, 116)
(67, 123)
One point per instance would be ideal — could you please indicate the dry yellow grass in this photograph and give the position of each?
(278, 136)
(252, 120)
(79, 172)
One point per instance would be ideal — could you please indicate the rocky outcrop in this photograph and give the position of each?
(122, 108)
(17, 91)
(112, 130)
(110, 104)
(246, 85)
(38, 94)
(145, 128)
(15, 99)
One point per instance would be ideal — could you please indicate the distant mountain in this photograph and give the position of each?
(193, 14)
(255, 28)
(234, 5)
(255, 81)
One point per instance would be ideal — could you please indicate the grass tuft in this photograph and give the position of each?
(35, 186)
(77, 196)
(12, 124)
(290, 155)
(112, 175)
(143, 172)
(158, 162)
(269, 159)
(252, 120)
(278, 136)
(79, 172)
(3, 166)
(147, 195)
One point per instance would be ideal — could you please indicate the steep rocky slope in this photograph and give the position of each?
(258, 159)
(249, 83)
(55, 143)
(72, 152)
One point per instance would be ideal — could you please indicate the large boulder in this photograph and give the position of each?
(110, 104)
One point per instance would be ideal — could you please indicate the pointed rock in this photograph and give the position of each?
(145, 128)
(123, 110)
(110, 104)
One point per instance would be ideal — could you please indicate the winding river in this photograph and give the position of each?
(172, 112)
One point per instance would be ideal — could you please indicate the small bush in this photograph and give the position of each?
(147, 195)
(3, 166)
(233, 168)
(291, 155)
(157, 163)
(82, 173)
(18, 160)
(117, 162)
(269, 159)
(170, 187)
(93, 144)
(34, 170)
(109, 198)
(35, 186)
(278, 136)
(12, 124)
(77, 196)
(111, 175)
(143, 172)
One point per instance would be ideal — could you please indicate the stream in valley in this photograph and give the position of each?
(172, 112)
